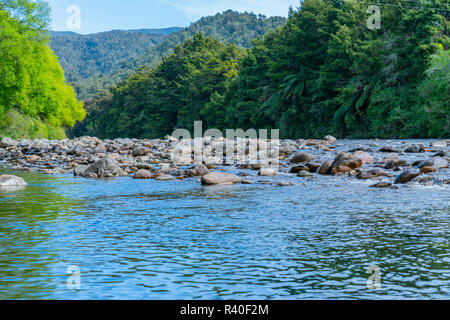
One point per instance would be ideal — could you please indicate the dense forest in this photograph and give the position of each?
(176, 92)
(35, 100)
(89, 56)
(323, 72)
(230, 26)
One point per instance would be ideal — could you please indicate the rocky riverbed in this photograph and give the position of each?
(385, 163)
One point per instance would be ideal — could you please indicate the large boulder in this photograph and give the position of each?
(407, 176)
(325, 168)
(218, 178)
(395, 163)
(140, 151)
(436, 162)
(199, 170)
(300, 157)
(11, 181)
(365, 157)
(79, 170)
(104, 168)
(330, 139)
(143, 174)
(345, 162)
(415, 148)
(76, 150)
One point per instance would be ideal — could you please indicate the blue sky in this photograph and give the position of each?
(104, 15)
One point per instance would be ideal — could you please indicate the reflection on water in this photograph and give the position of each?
(179, 240)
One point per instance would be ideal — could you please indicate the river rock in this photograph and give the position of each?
(312, 166)
(104, 168)
(268, 172)
(146, 166)
(297, 169)
(301, 157)
(140, 151)
(345, 162)
(389, 149)
(305, 174)
(384, 185)
(199, 170)
(79, 170)
(285, 150)
(330, 139)
(286, 183)
(416, 148)
(442, 153)
(439, 144)
(143, 174)
(364, 175)
(76, 150)
(11, 181)
(325, 168)
(395, 163)
(407, 176)
(365, 157)
(7, 142)
(436, 162)
(373, 173)
(427, 169)
(164, 177)
(218, 178)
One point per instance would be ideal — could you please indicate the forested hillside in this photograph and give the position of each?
(35, 101)
(230, 26)
(323, 72)
(89, 56)
(174, 93)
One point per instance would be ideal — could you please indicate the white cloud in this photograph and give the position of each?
(199, 8)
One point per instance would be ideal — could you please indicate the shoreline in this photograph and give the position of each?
(388, 163)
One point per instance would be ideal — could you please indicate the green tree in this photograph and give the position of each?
(32, 86)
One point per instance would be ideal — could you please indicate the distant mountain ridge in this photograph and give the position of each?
(98, 61)
(87, 56)
(164, 31)
(161, 31)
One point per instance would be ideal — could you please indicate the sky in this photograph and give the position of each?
(104, 15)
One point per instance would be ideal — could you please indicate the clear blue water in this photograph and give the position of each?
(178, 240)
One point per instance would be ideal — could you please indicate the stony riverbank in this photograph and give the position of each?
(386, 163)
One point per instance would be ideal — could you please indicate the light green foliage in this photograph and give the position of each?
(32, 85)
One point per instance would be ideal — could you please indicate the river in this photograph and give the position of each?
(147, 239)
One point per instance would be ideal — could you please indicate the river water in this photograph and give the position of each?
(178, 240)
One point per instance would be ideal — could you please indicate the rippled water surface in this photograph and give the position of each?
(179, 240)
